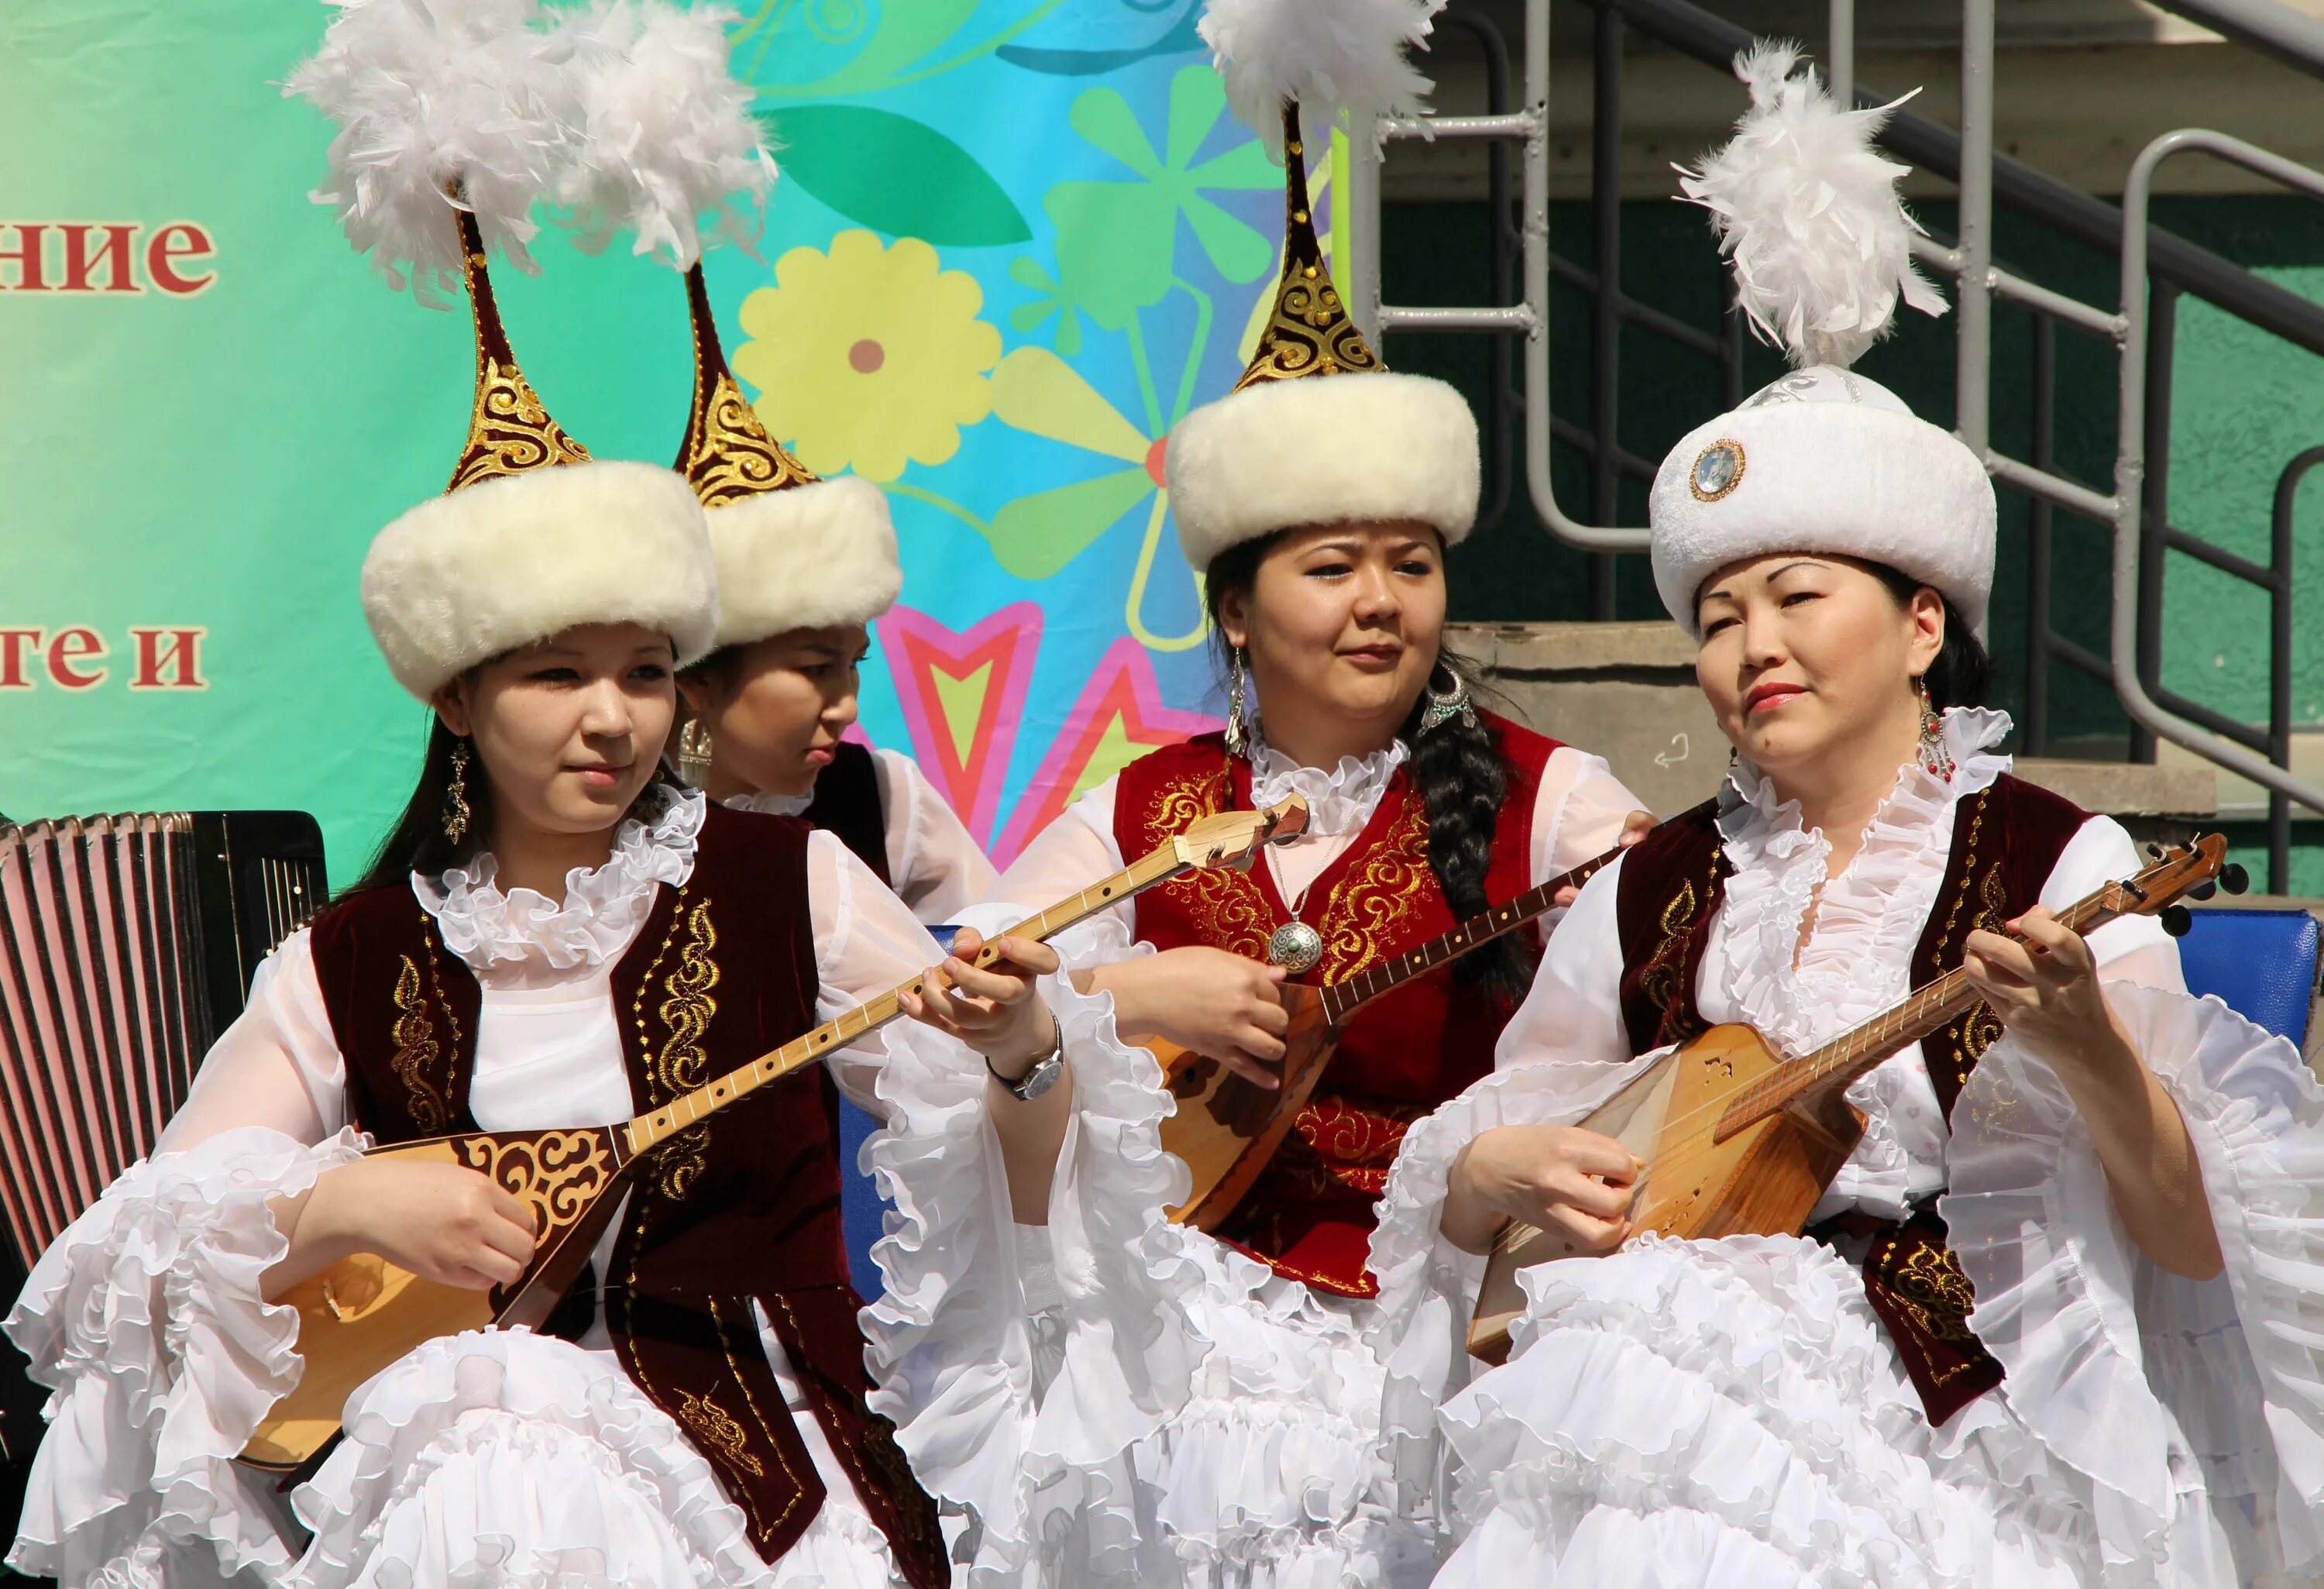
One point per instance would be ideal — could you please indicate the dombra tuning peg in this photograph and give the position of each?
(2176, 920)
(2234, 878)
(2203, 891)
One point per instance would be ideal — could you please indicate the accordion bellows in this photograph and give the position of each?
(501, 564)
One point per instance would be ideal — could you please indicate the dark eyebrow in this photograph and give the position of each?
(1776, 574)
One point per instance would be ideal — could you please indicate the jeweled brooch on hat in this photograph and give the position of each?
(1718, 470)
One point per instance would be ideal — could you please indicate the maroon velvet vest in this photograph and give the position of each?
(847, 806)
(745, 1206)
(2006, 841)
(1310, 1214)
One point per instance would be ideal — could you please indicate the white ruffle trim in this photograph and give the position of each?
(505, 1458)
(950, 1338)
(1867, 922)
(602, 909)
(2063, 1298)
(1732, 1411)
(145, 1319)
(1340, 800)
(771, 805)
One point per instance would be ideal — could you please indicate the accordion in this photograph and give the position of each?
(126, 944)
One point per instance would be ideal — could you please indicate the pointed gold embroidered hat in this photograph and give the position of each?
(455, 116)
(1317, 430)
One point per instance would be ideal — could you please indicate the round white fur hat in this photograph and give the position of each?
(1823, 460)
(1321, 449)
(470, 575)
(804, 557)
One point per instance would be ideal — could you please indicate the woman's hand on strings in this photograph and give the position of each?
(995, 1010)
(2045, 990)
(1208, 1001)
(1575, 1183)
(442, 1221)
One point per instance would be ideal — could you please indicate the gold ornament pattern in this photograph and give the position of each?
(686, 1010)
(1659, 980)
(416, 1051)
(556, 1174)
(1929, 1286)
(509, 430)
(717, 1429)
(728, 455)
(1309, 332)
(1228, 909)
(1371, 904)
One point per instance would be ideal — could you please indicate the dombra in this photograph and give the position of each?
(360, 1315)
(1227, 1128)
(1741, 1141)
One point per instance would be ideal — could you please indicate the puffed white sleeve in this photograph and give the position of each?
(1578, 810)
(2114, 1364)
(937, 867)
(1065, 857)
(145, 1323)
(1562, 1053)
(1018, 1364)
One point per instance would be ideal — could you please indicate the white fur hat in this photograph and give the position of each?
(804, 557)
(1823, 460)
(1320, 451)
(466, 576)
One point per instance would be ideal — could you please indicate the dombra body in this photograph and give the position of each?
(1739, 1141)
(362, 1314)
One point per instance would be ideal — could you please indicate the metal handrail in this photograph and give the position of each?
(2130, 465)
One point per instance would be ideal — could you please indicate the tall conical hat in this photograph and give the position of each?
(455, 116)
(668, 136)
(1822, 460)
(1317, 430)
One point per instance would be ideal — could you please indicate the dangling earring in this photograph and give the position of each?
(1934, 757)
(1238, 734)
(455, 794)
(693, 751)
(1446, 705)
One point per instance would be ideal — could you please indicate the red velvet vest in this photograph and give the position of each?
(2006, 841)
(743, 1207)
(1310, 1214)
(847, 806)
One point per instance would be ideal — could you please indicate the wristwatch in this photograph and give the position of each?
(1041, 1078)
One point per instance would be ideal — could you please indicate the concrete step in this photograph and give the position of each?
(1627, 691)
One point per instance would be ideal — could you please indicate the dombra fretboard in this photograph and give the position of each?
(1738, 1140)
(361, 1315)
(1227, 1129)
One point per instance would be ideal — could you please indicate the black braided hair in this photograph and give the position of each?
(1463, 780)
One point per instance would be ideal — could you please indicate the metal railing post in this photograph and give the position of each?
(2039, 514)
(1606, 301)
(1972, 354)
(1839, 51)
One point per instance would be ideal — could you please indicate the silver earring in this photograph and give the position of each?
(1446, 704)
(1934, 757)
(1238, 734)
(694, 750)
(456, 795)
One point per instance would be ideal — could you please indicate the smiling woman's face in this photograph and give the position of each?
(569, 730)
(1342, 622)
(1805, 658)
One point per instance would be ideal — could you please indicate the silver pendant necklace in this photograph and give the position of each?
(1295, 946)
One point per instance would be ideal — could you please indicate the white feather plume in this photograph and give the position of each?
(440, 104)
(1808, 215)
(1328, 55)
(666, 134)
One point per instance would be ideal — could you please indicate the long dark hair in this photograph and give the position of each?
(1458, 769)
(1962, 672)
(417, 842)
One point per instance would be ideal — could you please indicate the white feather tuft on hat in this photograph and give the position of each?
(1822, 460)
(1347, 54)
(666, 136)
(441, 104)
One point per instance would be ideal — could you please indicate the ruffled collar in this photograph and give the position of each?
(1338, 801)
(603, 907)
(771, 805)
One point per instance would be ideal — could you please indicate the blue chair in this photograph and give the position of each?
(861, 1209)
(2262, 964)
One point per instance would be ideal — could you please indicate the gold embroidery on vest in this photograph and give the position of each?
(717, 1427)
(1227, 908)
(1976, 1031)
(1370, 905)
(416, 1051)
(684, 1064)
(750, 1404)
(1659, 980)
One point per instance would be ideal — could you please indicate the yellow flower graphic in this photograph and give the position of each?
(868, 357)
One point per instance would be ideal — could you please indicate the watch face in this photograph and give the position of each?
(1041, 1079)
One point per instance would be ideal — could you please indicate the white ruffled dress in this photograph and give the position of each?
(934, 864)
(1255, 1461)
(1731, 1413)
(491, 1458)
